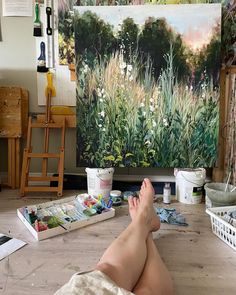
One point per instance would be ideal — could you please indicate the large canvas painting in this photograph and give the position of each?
(147, 85)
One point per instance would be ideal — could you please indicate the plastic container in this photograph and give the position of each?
(221, 228)
(189, 185)
(116, 197)
(216, 195)
(99, 181)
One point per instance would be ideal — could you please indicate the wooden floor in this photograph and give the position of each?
(200, 263)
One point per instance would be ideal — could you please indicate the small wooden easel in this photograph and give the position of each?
(28, 151)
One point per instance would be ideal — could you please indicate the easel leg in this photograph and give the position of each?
(17, 144)
(12, 162)
(9, 178)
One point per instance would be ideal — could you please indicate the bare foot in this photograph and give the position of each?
(144, 205)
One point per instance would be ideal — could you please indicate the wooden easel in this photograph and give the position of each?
(45, 156)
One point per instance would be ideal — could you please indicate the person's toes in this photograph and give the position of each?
(145, 182)
(131, 202)
(135, 202)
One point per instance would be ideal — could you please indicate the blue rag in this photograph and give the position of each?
(171, 216)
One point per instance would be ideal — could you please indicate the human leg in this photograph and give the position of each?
(125, 258)
(155, 278)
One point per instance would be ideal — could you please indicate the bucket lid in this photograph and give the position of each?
(187, 172)
(100, 171)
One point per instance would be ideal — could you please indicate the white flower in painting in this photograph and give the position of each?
(131, 78)
(144, 114)
(122, 86)
(122, 72)
(191, 87)
(151, 108)
(103, 129)
(165, 122)
(123, 65)
(100, 125)
(203, 95)
(99, 92)
(102, 114)
(102, 91)
(147, 142)
(151, 99)
(152, 132)
(119, 27)
(86, 68)
(101, 100)
(142, 105)
(129, 68)
(186, 88)
(154, 124)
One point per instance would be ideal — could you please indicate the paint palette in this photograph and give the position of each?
(53, 218)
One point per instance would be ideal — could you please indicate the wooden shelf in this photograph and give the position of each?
(14, 109)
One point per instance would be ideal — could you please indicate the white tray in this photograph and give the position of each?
(68, 226)
(220, 227)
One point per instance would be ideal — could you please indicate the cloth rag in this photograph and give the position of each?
(171, 216)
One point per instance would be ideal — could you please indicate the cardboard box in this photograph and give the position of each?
(66, 226)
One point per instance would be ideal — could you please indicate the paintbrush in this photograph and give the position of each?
(37, 23)
(41, 67)
(227, 183)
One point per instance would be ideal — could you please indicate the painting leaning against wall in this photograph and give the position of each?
(147, 85)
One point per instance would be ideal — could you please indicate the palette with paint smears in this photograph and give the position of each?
(53, 218)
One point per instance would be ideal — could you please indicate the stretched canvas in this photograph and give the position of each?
(147, 85)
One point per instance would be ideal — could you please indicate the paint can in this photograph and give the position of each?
(167, 193)
(189, 185)
(99, 181)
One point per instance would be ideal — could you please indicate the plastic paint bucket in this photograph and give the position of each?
(189, 185)
(99, 181)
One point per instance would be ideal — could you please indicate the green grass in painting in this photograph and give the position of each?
(126, 121)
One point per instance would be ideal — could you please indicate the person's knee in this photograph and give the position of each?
(107, 268)
(149, 290)
(104, 267)
(144, 290)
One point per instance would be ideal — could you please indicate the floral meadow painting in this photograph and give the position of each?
(147, 85)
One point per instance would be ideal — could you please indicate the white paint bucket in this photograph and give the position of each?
(189, 185)
(99, 181)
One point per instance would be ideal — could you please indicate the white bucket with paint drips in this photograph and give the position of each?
(189, 185)
(99, 181)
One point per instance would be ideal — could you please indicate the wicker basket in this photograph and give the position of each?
(225, 231)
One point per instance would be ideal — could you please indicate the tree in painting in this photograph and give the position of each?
(66, 28)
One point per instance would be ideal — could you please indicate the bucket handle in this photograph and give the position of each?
(101, 174)
(189, 180)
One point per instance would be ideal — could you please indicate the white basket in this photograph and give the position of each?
(225, 231)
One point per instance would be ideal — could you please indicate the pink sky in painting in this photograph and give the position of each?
(196, 38)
